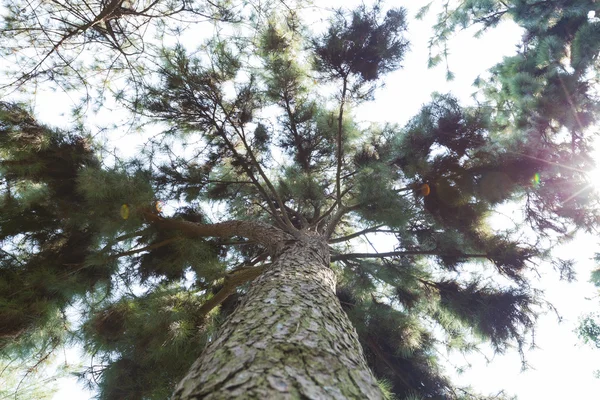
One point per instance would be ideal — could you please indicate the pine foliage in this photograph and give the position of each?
(250, 134)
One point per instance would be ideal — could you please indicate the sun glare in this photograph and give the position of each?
(594, 174)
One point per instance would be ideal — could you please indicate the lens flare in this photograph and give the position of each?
(124, 211)
(536, 180)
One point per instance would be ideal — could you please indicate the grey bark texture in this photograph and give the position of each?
(288, 339)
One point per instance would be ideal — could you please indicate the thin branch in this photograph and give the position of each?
(328, 212)
(337, 217)
(13, 257)
(55, 344)
(356, 234)
(125, 237)
(352, 256)
(146, 248)
(106, 12)
(338, 174)
(221, 131)
(263, 175)
(293, 128)
(232, 281)
(248, 171)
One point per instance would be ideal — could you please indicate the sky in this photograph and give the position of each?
(560, 367)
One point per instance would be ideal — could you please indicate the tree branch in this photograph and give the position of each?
(338, 174)
(146, 248)
(337, 217)
(303, 158)
(356, 234)
(248, 171)
(104, 13)
(352, 256)
(270, 237)
(261, 172)
(328, 212)
(232, 281)
(253, 161)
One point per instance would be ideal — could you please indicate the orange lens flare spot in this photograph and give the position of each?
(159, 206)
(425, 189)
(124, 211)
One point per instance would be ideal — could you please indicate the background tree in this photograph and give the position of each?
(588, 330)
(268, 178)
(101, 45)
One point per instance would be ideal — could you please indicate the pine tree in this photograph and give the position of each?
(266, 295)
(588, 330)
(92, 44)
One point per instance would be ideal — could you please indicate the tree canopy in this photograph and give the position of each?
(588, 329)
(153, 253)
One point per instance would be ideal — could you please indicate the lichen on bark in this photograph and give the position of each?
(288, 339)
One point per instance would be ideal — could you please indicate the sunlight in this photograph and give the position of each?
(595, 173)
(592, 175)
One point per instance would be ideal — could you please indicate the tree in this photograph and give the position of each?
(588, 330)
(267, 292)
(90, 44)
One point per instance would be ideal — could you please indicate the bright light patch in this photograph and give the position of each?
(536, 180)
(124, 211)
(159, 206)
(594, 174)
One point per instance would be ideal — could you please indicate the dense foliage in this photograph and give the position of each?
(258, 126)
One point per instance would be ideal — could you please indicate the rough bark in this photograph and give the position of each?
(288, 339)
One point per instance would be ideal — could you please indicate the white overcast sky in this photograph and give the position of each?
(562, 368)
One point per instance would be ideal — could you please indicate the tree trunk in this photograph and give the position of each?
(288, 339)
